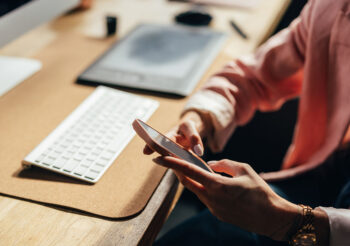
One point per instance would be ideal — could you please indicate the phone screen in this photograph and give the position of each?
(172, 147)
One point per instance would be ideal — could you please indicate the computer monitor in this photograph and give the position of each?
(16, 18)
(20, 16)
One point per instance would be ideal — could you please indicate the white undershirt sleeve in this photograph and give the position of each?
(339, 224)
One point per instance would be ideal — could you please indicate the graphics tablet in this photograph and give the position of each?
(170, 59)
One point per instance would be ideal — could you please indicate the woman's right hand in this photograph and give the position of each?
(188, 133)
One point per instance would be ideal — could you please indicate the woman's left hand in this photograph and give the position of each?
(244, 199)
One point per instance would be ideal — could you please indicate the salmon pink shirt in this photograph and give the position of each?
(309, 60)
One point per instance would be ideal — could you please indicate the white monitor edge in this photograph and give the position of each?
(30, 15)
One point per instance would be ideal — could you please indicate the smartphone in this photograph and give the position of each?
(165, 146)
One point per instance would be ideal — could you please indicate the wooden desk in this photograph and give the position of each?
(25, 223)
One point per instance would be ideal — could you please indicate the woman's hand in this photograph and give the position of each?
(244, 199)
(188, 133)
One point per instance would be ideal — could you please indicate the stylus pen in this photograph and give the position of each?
(238, 29)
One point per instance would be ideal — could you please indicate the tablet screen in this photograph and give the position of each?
(159, 51)
(173, 147)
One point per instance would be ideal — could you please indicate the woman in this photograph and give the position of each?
(311, 60)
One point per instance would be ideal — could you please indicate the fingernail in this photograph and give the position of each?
(211, 162)
(198, 149)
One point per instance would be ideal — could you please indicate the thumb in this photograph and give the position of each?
(229, 167)
(190, 132)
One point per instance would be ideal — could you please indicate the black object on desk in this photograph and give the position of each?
(194, 18)
(238, 29)
(111, 25)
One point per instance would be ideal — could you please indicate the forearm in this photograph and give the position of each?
(231, 97)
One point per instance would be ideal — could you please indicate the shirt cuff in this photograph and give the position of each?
(339, 224)
(220, 112)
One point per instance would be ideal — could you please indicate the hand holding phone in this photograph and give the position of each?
(166, 146)
(188, 133)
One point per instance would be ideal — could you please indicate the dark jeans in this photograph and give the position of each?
(327, 185)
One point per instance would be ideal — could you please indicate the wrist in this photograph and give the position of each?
(288, 217)
(312, 229)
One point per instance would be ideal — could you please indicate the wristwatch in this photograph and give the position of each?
(305, 235)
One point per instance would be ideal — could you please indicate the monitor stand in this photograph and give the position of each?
(14, 70)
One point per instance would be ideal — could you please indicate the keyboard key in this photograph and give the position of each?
(97, 168)
(71, 164)
(83, 151)
(96, 152)
(40, 158)
(91, 175)
(68, 154)
(87, 162)
(54, 155)
(88, 147)
(59, 163)
(107, 155)
(80, 170)
(46, 152)
(79, 156)
(74, 148)
(48, 161)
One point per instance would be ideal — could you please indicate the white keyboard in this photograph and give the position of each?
(88, 141)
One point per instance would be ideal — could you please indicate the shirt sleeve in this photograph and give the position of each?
(339, 224)
(262, 81)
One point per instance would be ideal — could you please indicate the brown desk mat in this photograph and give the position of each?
(34, 108)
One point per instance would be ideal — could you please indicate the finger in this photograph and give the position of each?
(180, 139)
(190, 184)
(211, 162)
(147, 150)
(188, 169)
(229, 167)
(195, 187)
(190, 132)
